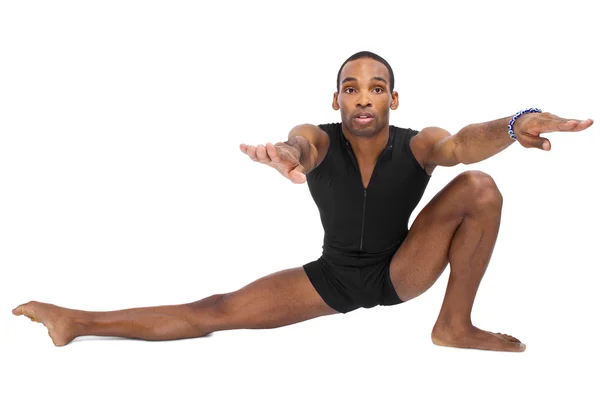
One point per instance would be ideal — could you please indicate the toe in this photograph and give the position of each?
(507, 337)
(510, 338)
(19, 309)
(508, 343)
(28, 310)
(513, 339)
(514, 346)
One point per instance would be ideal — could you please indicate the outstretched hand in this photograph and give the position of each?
(284, 158)
(529, 127)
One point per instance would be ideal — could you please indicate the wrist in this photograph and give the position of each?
(516, 121)
(296, 146)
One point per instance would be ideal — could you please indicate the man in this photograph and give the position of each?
(366, 178)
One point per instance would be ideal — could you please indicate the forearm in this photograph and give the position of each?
(476, 142)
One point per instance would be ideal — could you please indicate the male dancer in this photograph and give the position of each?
(366, 178)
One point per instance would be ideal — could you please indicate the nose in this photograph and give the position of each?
(363, 100)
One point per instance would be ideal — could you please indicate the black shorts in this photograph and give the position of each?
(346, 288)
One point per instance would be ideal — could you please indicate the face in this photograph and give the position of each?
(365, 98)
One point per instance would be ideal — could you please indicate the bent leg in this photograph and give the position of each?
(282, 298)
(460, 226)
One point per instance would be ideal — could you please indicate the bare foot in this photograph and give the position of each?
(60, 322)
(475, 338)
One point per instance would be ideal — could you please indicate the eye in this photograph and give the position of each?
(378, 90)
(347, 90)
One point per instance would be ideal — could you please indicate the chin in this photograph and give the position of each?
(364, 131)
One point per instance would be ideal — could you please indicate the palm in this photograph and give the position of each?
(280, 156)
(532, 125)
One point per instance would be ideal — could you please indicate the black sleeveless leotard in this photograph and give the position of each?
(363, 226)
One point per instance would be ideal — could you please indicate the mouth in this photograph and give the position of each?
(364, 118)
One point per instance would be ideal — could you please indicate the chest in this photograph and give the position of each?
(365, 169)
(366, 172)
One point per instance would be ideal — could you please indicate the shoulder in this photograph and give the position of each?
(422, 139)
(428, 137)
(330, 128)
(422, 142)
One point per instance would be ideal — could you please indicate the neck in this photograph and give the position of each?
(368, 148)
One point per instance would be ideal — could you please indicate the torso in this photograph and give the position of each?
(366, 171)
(366, 168)
(365, 206)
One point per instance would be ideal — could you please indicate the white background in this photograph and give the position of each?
(122, 185)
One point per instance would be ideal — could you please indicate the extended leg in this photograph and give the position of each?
(460, 225)
(282, 298)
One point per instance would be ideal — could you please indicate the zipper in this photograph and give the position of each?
(362, 227)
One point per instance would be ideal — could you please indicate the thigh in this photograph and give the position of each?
(423, 255)
(281, 298)
(339, 285)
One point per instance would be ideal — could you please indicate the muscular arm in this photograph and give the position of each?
(302, 152)
(476, 142)
(473, 143)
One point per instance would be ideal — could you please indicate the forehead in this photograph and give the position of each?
(364, 69)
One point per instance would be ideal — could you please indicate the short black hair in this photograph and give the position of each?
(373, 56)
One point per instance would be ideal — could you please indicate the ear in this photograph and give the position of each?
(394, 104)
(335, 104)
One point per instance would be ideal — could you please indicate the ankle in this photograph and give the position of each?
(81, 322)
(453, 323)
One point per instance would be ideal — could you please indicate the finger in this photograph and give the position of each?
(261, 153)
(272, 153)
(300, 169)
(539, 142)
(581, 125)
(251, 151)
(243, 148)
(565, 125)
(297, 175)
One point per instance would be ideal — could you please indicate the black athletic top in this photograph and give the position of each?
(366, 225)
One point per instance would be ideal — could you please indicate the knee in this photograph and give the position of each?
(208, 314)
(226, 305)
(481, 190)
(215, 304)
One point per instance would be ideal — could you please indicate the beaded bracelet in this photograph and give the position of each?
(511, 133)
